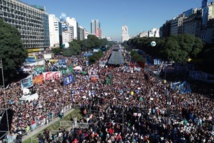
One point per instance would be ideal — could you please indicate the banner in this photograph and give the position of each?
(27, 82)
(47, 56)
(40, 69)
(94, 77)
(66, 71)
(51, 75)
(183, 87)
(38, 79)
(68, 80)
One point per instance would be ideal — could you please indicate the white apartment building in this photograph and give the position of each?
(67, 33)
(86, 33)
(54, 30)
(154, 32)
(72, 22)
(81, 33)
(143, 34)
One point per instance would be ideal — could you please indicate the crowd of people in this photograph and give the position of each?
(134, 107)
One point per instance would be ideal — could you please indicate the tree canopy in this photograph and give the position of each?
(173, 48)
(12, 52)
(77, 46)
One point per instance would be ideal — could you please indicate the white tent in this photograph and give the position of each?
(79, 68)
(29, 97)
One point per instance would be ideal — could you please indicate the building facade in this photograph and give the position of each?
(174, 26)
(143, 34)
(86, 33)
(67, 33)
(154, 32)
(192, 23)
(208, 29)
(125, 33)
(95, 24)
(81, 33)
(72, 22)
(98, 33)
(54, 31)
(165, 29)
(31, 21)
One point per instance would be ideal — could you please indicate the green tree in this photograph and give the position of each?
(73, 49)
(12, 52)
(56, 51)
(93, 41)
(174, 48)
(96, 56)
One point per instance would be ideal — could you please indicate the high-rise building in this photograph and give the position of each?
(165, 29)
(204, 3)
(31, 22)
(81, 33)
(125, 34)
(95, 24)
(192, 23)
(176, 25)
(67, 33)
(72, 22)
(98, 33)
(54, 31)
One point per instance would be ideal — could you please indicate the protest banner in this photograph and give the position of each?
(38, 79)
(51, 75)
(27, 82)
(68, 80)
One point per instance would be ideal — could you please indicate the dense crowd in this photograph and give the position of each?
(141, 108)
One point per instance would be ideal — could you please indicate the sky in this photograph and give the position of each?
(138, 15)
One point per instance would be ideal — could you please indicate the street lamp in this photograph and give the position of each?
(1, 66)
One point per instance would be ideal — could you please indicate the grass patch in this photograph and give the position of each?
(75, 113)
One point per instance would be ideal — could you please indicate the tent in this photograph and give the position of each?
(78, 68)
(29, 97)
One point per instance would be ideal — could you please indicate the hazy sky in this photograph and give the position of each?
(138, 15)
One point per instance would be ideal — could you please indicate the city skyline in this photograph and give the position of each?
(138, 15)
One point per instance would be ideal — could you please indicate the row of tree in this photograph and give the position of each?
(174, 48)
(95, 57)
(177, 48)
(77, 46)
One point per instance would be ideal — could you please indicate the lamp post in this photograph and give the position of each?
(1, 66)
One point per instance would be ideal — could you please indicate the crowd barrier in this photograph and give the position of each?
(49, 117)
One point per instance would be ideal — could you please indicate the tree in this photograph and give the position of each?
(74, 49)
(11, 49)
(93, 41)
(173, 48)
(56, 51)
(96, 56)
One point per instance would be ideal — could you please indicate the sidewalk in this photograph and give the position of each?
(36, 131)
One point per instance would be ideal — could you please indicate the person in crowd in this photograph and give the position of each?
(131, 106)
